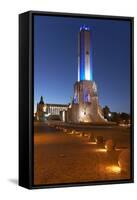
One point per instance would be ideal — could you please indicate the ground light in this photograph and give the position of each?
(91, 143)
(113, 169)
(101, 150)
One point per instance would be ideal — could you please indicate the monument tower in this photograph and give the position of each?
(85, 105)
(84, 54)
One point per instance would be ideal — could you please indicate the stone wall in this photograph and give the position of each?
(85, 106)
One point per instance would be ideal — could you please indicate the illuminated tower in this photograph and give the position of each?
(85, 105)
(84, 54)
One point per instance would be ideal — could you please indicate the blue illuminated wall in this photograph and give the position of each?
(91, 58)
(85, 51)
(82, 57)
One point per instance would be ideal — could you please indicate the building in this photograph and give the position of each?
(85, 105)
(45, 110)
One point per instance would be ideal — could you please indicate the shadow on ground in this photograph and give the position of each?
(14, 181)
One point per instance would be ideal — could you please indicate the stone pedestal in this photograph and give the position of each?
(85, 106)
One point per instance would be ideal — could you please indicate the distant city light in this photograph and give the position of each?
(109, 114)
(63, 116)
(47, 114)
(44, 109)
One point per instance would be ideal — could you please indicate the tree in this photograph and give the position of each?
(125, 117)
(106, 111)
(116, 117)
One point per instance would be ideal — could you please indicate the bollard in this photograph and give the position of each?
(110, 145)
(99, 139)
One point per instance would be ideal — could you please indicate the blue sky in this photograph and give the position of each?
(55, 59)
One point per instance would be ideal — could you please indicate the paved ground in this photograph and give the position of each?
(67, 158)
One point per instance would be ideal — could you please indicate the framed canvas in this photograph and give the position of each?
(75, 99)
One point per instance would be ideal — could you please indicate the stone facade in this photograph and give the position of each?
(85, 106)
(44, 110)
(40, 114)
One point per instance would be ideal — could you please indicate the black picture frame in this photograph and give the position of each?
(26, 94)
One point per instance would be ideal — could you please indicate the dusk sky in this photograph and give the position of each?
(56, 66)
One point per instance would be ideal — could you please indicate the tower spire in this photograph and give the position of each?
(41, 100)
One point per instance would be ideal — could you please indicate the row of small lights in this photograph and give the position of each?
(112, 168)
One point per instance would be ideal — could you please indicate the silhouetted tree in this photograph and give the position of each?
(124, 116)
(116, 117)
(106, 111)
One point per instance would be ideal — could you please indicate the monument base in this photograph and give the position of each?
(85, 106)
